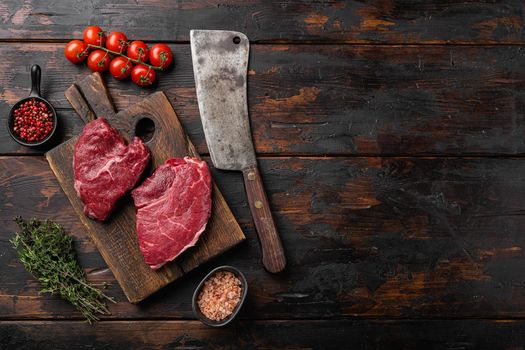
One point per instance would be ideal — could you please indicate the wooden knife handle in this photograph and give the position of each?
(272, 249)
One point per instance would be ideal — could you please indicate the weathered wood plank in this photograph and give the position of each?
(340, 334)
(378, 21)
(316, 100)
(374, 237)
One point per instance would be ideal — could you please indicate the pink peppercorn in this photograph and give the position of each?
(33, 121)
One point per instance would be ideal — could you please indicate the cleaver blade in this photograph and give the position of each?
(220, 65)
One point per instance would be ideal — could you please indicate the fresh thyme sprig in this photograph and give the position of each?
(49, 255)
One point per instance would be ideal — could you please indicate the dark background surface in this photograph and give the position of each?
(390, 136)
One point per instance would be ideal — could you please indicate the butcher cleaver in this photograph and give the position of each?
(220, 65)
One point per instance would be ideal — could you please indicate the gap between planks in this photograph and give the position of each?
(263, 320)
(298, 42)
(336, 155)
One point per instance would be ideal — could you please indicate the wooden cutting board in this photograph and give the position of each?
(116, 239)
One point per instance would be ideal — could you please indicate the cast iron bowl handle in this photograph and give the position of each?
(36, 73)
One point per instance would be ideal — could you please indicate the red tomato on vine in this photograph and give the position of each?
(98, 61)
(117, 42)
(120, 67)
(142, 75)
(94, 35)
(160, 55)
(76, 51)
(138, 50)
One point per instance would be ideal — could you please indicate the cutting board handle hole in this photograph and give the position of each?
(236, 40)
(145, 129)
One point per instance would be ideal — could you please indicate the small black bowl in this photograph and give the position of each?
(197, 312)
(33, 95)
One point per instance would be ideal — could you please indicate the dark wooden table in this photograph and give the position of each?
(390, 136)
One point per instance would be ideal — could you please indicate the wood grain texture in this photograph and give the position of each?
(408, 238)
(116, 238)
(79, 104)
(96, 95)
(337, 334)
(377, 21)
(364, 237)
(324, 99)
(273, 257)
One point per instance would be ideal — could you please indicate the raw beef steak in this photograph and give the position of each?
(105, 168)
(173, 207)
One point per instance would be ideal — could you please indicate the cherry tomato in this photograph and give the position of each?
(120, 67)
(94, 35)
(138, 49)
(117, 42)
(98, 61)
(160, 55)
(142, 75)
(76, 51)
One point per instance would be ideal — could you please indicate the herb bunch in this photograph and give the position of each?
(49, 255)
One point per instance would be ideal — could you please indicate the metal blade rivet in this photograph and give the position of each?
(251, 176)
(258, 204)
